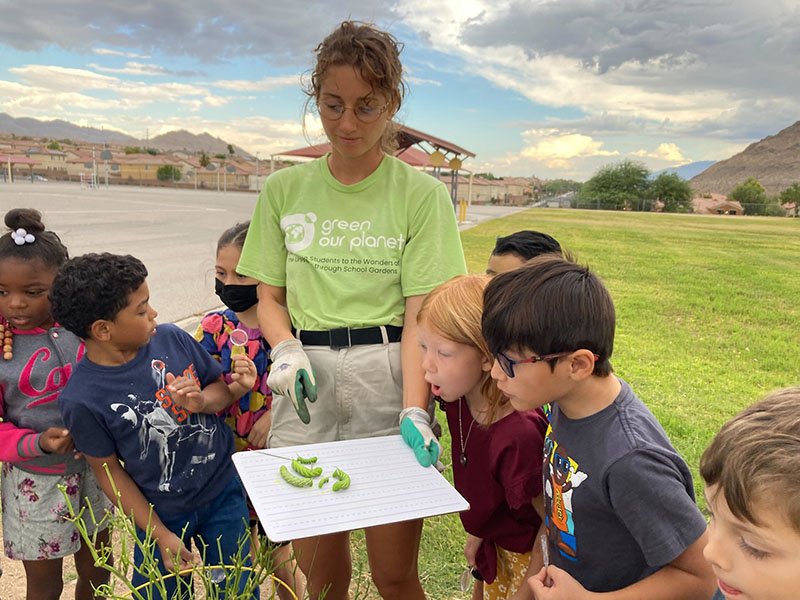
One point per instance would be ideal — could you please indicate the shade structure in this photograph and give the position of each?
(407, 141)
(413, 156)
(17, 160)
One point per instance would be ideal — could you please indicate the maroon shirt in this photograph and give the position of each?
(502, 475)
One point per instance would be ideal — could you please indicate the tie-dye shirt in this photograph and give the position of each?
(213, 333)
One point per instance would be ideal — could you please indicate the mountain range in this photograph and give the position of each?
(687, 171)
(773, 161)
(59, 130)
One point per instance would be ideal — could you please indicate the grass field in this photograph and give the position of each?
(708, 320)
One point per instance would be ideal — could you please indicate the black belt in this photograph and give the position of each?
(344, 337)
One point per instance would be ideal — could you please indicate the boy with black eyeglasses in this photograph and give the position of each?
(620, 514)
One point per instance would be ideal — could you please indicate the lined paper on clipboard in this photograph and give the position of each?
(387, 486)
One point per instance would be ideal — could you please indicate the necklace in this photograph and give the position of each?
(463, 458)
(7, 341)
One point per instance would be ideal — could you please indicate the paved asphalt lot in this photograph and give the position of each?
(172, 231)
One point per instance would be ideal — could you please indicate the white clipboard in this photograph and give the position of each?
(388, 485)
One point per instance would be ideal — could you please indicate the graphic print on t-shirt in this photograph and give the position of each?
(300, 232)
(561, 477)
(165, 428)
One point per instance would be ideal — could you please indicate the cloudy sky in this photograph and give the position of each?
(552, 88)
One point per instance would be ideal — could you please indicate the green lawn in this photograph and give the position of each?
(708, 321)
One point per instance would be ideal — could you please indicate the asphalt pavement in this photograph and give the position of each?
(173, 231)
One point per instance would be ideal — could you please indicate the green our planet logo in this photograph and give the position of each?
(298, 231)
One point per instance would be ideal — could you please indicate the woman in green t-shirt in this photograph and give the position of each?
(350, 244)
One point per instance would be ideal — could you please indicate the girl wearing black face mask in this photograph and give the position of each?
(250, 417)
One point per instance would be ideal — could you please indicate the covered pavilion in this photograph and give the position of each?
(411, 148)
(7, 160)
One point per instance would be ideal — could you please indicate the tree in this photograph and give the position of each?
(752, 196)
(673, 191)
(230, 149)
(204, 159)
(617, 186)
(168, 173)
(53, 145)
(221, 156)
(133, 150)
(489, 176)
(791, 195)
(556, 187)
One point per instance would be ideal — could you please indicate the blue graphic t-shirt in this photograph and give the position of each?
(178, 459)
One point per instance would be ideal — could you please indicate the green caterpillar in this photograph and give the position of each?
(344, 480)
(307, 461)
(303, 470)
(323, 481)
(294, 480)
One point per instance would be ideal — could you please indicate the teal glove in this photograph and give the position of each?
(415, 427)
(291, 375)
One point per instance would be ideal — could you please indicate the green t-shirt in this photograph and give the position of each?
(348, 255)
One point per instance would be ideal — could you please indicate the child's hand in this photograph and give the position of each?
(56, 440)
(258, 434)
(185, 392)
(471, 549)
(243, 371)
(562, 586)
(175, 555)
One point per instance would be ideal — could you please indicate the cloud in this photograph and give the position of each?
(421, 81)
(110, 52)
(55, 77)
(262, 85)
(555, 149)
(256, 134)
(281, 32)
(666, 151)
(137, 68)
(63, 89)
(693, 68)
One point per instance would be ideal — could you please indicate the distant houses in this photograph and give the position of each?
(716, 204)
(511, 191)
(75, 161)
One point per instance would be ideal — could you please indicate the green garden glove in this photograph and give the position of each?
(415, 427)
(291, 375)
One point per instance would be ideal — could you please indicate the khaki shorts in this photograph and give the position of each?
(34, 511)
(359, 394)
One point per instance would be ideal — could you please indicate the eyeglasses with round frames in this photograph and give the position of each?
(507, 364)
(363, 112)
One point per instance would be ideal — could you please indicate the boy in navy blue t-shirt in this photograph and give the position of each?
(148, 397)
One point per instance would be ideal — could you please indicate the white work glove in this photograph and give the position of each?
(291, 375)
(415, 427)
